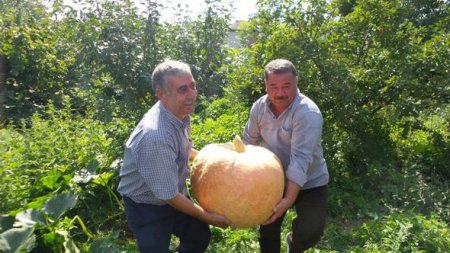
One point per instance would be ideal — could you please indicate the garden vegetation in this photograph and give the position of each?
(75, 81)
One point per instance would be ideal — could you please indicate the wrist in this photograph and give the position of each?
(200, 211)
(290, 200)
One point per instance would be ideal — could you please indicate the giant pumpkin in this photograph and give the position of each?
(241, 182)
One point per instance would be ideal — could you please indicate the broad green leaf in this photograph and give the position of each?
(59, 204)
(103, 246)
(30, 217)
(15, 239)
(69, 244)
(93, 165)
(52, 238)
(6, 222)
(83, 176)
(38, 203)
(51, 179)
(103, 178)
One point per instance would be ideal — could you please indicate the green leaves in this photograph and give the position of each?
(80, 79)
(220, 121)
(106, 245)
(103, 179)
(21, 234)
(39, 160)
(401, 232)
(16, 239)
(59, 204)
(30, 217)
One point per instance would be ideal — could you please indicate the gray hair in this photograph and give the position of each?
(167, 69)
(279, 66)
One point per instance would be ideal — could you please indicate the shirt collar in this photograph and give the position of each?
(172, 118)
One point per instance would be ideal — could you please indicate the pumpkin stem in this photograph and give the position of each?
(239, 146)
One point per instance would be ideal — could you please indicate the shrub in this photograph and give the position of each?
(220, 121)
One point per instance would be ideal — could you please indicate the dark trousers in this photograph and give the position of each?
(307, 227)
(153, 225)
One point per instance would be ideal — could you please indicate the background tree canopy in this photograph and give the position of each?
(74, 82)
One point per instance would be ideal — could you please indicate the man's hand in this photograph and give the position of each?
(217, 220)
(290, 195)
(279, 210)
(185, 205)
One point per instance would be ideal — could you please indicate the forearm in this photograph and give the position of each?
(291, 191)
(290, 195)
(185, 205)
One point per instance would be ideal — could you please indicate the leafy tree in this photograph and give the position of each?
(201, 43)
(115, 52)
(2, 89)
(220, 121)
(380, 50)
(354, 66)
(36, 59)
(74, 81)
(374, 73)
(102, 55)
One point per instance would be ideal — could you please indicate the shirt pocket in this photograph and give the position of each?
(286, 133)
(286, 129)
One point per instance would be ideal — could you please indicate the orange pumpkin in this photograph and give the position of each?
(241, 182)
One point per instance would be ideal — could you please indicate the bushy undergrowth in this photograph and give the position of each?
(44, 156)
(60, 152)
(220, 122)
(395, 232)
(65, 158)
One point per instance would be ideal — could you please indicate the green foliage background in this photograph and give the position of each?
(74, 82)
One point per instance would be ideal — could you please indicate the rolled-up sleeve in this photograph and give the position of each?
(306, 133)
(251, 130)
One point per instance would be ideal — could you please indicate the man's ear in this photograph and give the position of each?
(159, 93)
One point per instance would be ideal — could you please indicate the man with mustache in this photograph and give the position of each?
(155, 169)
(290, 124)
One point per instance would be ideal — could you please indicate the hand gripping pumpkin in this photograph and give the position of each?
(242, 182)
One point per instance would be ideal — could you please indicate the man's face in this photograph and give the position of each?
(181, 95)
(281, 89)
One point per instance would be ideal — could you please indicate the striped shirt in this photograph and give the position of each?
(155, 165)
(295, 137)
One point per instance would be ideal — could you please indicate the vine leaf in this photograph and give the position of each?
(15, 239)
(59, 204)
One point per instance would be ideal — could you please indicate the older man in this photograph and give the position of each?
(155, 168)
(290, 124)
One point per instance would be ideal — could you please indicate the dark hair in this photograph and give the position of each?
(279, 66)
(166, 69)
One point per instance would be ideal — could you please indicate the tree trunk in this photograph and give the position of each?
(2, 90)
